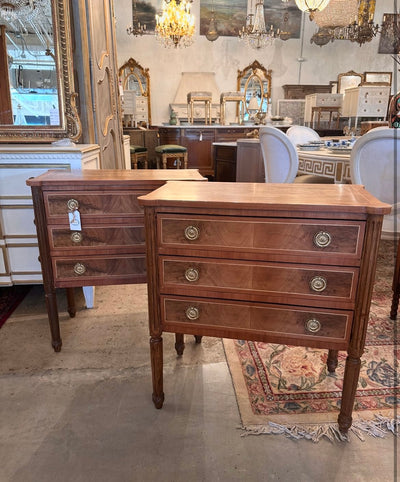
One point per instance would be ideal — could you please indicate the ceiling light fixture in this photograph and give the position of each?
(212, 32)
(175, 26)
(311, 6)
(255, 34)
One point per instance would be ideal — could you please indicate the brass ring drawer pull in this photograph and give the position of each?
(322, 239)
(192, 313)
(76, 237)
(192, 274)
(318, 283)
(313, 325)
(79, 268)
(192, 233)
(72, 204)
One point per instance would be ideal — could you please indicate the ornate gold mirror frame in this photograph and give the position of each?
(255, 82)
(349, 79)
(134, 77)
(68, 125)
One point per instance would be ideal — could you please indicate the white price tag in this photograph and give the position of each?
(75, 221)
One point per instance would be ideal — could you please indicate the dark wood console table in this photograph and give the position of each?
(110, 247)
(278, 263)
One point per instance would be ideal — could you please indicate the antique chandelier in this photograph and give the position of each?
(136, 28)
(254, 33)
(311, 6)
(175, 26)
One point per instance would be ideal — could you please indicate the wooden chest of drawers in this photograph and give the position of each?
(279, 263)
(110, 246)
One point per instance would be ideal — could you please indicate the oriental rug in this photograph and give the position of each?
(10, 298)
(287, 389)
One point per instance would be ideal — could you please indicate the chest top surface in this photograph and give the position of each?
(335, 198)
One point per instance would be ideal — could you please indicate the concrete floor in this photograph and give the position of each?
(85, 414)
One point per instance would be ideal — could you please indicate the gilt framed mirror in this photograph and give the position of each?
(349, 79)
(135, 93)
(37, 101)
(255, 82)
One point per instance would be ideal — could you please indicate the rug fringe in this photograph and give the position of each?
(377, 427)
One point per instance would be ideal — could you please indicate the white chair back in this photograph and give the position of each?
(302, 134)
(375, 163)
(279, 154)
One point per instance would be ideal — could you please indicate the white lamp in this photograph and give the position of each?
(311, 6)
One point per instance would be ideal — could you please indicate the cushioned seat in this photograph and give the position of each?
(172, 151)
(138, 153)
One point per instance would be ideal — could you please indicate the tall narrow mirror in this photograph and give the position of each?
(36, 98)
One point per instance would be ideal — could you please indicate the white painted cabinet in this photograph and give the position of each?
(321, 100)
(18, 243)
(366, 101)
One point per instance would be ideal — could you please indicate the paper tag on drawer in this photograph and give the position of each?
(75, 221)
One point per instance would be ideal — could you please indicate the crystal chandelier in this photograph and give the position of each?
(311, 6)
(212, 32)
(363, 29)
(175, 26)
(136, 28)
(255, 34)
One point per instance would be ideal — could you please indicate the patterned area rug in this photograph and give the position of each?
(288, 390)
(10, 298)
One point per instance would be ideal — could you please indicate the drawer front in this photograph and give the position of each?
(278, 282)
(101, 204)
(274, 322)
(105, 269)
(292, 239)
(91, 237)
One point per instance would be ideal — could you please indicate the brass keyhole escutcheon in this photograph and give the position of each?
(76, 237)
(192, 313)
(192, 274)
(192, 233)
(318, 283)
(322, 239)
(72, 204)
(79, 269)
(313, 325)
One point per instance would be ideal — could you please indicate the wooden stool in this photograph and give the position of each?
(205, 97)
(138, 153)
(232, 97)
(331, 110)
(172, 151)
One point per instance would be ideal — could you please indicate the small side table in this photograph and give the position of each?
(232, 97)
(330, 109)
(205, 97)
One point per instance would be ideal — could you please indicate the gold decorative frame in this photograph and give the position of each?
(381, 78)
(349, 79)
(258, 71)
(133, 68)
(70, 125)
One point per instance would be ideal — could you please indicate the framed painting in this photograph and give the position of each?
(378, 77)
(389, 42)
(230, 16)
(146, 13)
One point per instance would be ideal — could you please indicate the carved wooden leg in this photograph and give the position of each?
(351, 373)
(156, 354)
(52, 312)
(396, 286)
(198, 338)
(71, 302)
(179, 343)
(332, 361)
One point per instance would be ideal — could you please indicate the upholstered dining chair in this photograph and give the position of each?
(280, 158)
(302, 134)
(375, 163)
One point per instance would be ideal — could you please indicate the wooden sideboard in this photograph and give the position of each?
(199, 142)
(299, 91)
(278, 263)
(18, 242)
(110, 246)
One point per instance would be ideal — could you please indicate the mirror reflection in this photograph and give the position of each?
(255, 82)
(27, 37)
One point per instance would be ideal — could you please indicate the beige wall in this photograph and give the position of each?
(226, 55)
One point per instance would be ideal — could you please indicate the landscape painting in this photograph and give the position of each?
(230, 16)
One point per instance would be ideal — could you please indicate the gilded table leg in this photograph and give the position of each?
(156, 354)
(71, 302)
(351, 373)
(179, 343)
(52, 311)
(332, 361)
